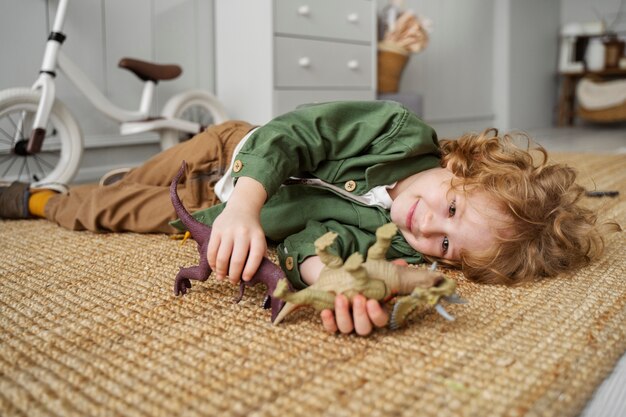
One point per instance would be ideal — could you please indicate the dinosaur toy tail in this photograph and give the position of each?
(281, 293)
(284, 312)
(198, 231)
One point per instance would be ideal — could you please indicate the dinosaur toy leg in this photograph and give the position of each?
(309, 296)
(321, 249)
(384, 234)
(199, 273)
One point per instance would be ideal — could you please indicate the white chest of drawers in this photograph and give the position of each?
(273, 55)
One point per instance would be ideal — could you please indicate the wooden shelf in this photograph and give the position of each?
(567, 97)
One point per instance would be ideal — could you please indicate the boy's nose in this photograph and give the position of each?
(427, 225)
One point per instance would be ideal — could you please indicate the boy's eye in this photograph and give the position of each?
(452, 208)
(445, 244)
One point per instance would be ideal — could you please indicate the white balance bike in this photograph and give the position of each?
(40, 140)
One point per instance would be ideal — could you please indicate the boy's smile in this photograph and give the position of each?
(439, 221)
(410, 216)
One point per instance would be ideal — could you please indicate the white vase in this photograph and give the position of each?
(594, 57)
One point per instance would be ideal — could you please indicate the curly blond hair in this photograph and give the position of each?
(548, 231)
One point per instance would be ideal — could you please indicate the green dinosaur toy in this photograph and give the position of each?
(375, 278)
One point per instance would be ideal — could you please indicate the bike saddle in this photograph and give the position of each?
(148, 71)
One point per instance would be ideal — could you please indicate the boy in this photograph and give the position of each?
(477, 203)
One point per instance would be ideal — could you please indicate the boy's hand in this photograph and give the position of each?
(363, 318)
(237, 243)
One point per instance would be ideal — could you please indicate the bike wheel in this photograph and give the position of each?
(199, 107)
(62, 149)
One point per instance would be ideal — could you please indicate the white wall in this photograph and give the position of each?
(584, 11)
(533, 63)
(454, 74)
(489, 63)
(494, 62)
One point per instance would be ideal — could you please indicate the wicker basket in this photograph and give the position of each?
(614, 113)
(391, 63)
(611, 114)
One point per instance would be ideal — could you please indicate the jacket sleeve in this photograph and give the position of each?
(324, 139)
(297, 247)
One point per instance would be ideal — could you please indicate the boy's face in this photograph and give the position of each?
(439, 221)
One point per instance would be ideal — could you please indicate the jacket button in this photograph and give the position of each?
(350, 185)
(289, 263)
(237, 166)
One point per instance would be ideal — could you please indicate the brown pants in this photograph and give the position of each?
(140, 202)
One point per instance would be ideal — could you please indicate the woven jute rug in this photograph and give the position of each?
(89, 326)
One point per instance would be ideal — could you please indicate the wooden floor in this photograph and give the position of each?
(587, 138)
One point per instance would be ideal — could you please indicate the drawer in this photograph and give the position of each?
(311, 63)
(335, 19)
(287, 100)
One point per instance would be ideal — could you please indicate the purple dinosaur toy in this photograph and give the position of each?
(268, 273)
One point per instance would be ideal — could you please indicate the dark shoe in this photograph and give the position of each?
(14, 201)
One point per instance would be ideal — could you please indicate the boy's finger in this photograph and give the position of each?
(328, 321)
(255, 257)
(342, 314)
(377, 313)
(400, 262)
(223, 258)
(211, 250)
(362, 323)
(238, 259)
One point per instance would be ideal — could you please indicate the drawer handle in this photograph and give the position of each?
(353, 64)
(304, 62)
(353, 18)
(304, 10)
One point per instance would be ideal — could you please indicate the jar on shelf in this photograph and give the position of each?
(594, 57)
(613, 51)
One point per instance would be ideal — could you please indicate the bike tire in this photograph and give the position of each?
(196, 106)
(62, 148)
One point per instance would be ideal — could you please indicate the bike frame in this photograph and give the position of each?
(131, 121)
(99, 100)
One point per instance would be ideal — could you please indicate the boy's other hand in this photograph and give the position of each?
(364, 316)
(237, 243)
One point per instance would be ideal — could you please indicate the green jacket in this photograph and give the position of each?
(353, 145)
